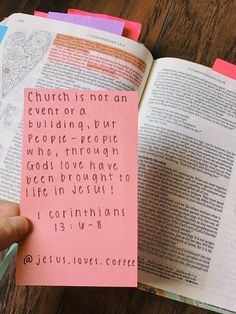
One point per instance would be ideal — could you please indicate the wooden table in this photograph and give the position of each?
(195, 30)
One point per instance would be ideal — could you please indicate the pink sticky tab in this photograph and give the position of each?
(132, 29)
(79, 188)
(225, 68)
(40, 14)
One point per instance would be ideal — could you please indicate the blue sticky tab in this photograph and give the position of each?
(7, 259)
(3, 30)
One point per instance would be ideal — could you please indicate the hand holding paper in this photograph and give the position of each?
(12, 226)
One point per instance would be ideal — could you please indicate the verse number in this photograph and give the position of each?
(59, 227)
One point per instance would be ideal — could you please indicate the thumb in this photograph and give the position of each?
(12, 230)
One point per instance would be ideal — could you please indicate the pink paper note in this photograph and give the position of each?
(225, 68)
(115, 27)
(79, 188)
(40, 14)
(132, 30)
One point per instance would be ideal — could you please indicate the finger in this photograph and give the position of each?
(12, 230)
(8, 209)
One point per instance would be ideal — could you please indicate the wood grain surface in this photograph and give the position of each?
(195, 30)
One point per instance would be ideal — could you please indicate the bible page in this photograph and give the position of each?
(187, 183)
(37, 52)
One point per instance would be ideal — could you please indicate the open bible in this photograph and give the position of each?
(187, 148)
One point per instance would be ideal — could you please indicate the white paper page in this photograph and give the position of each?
(37, 52)
(187, 149)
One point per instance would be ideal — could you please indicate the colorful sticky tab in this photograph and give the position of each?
(132, 29)
(115, 27)
(3, 30)
(40, 14)
(225, 68)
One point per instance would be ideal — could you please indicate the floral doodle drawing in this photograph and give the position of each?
(21, 55)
